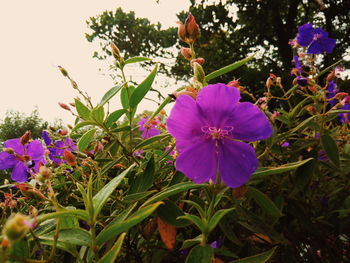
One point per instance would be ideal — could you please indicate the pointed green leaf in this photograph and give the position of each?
(102, 196)
(263, 171)
(115, 229)
(144, 180)
(113, 117)
(142, 89)
(303, 176)
(264, 202)
(98, 114)
(216, 218)
(19, 248)
(75, 236)
(331, 148)
(112, 254)
(81, 214)
(228, 68)
(110, 94)
(172, 190)
(83, 111)
(200, 254)
(85, 140)
(169, 212)
(82, 124)
(151, 140)
(136, 59)
(195, 220)
(259, 258)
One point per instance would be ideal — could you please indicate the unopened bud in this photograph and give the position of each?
(198, 72)
(52, 128)
(331, 76)
(69, 157)
(269, 83)
(119, 166)
(341, 95)
(233, 83)
(313, 89)
(198, 60)
(186, 52)
(115, 51)
(25, 137)
(162, 112)
(72, 104)
(16, 227)
(189, 31)
(45, 172)
(311, 109)
(74, 84)
(5, 243)
(64, 106)
(63, 71)
(63, 132)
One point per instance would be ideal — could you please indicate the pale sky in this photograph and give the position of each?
(39, 35)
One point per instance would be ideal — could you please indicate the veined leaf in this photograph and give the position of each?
(136, 59)
(264, 202)
(75, 236)
(83, 111)
(217, 217)
(331, 148)
(81, 214)
(112, 254)
(85, 140)
(110, 94)
(114, 116)
(200, 254)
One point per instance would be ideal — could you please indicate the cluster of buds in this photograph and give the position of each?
(273, 81)
(188, 32)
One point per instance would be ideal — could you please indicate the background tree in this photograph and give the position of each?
(229, 31)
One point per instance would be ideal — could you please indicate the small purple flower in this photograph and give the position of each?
(322, 156)
(332, 91)
(285, 144)
(138, 154)
(148, 130)
(217, 243)
(208, 133)
(297, 63)
(315, 39)
(57, 148)
(302, 81)
(23, 160)
(345, 117)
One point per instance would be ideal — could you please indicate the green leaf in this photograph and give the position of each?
(303, 176)
(137, 196)
(144, 180)
(124, 96)
(97, 114)
(302, 124)
(82, 124)
(110, 94)
(331, 148)
(112, 254)
(102, 196)
(172, 190)
(264, 202)
(151, 140)
(191, 242)
(195, 220)
(161, 106)
(83, 111)
(143, 88)
(259, 258)
(197, 206)
(169, 212)
(136, 59)
(19, 248)
(263, 171)
(113, 117)
(119, 227)
(81, 214)
(75, 236)
(85, 140)
(62, 245)
(216, 218)
(200, 254)
(228, 68)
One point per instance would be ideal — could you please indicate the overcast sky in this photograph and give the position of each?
(39, 35)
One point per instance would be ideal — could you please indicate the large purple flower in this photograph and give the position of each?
(315, 39)
(148, 130)
(208, 133)
(22, 158)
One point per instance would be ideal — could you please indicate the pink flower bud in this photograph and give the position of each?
(26, 137)
(69, 157)
(186, 52)
(189, 31)
(234, 83)
(198, 60)
(64, 106)
(115, 51)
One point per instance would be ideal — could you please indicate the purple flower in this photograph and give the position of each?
(315, 39)
(285, 144)
(57, 148)
(217, 243)
(148, 130)
(345, 117)
(302, 81)
(138, 154)
(208, 133)
(297, 63)
(332, 91)
(23, 159)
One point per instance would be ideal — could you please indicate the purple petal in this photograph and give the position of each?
(7, 161)
(345, 117)
(198, 161)
(150, 132)
(184, 122)
(15, 144)
(305, 35)
(46, 137)
(35, 150)
(328, 44)
(237, 162)
(216, 102)
(249, 123)
(315, 48)
(19, 173)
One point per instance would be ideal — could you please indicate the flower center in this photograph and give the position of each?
(317, 36)
(217, 133)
